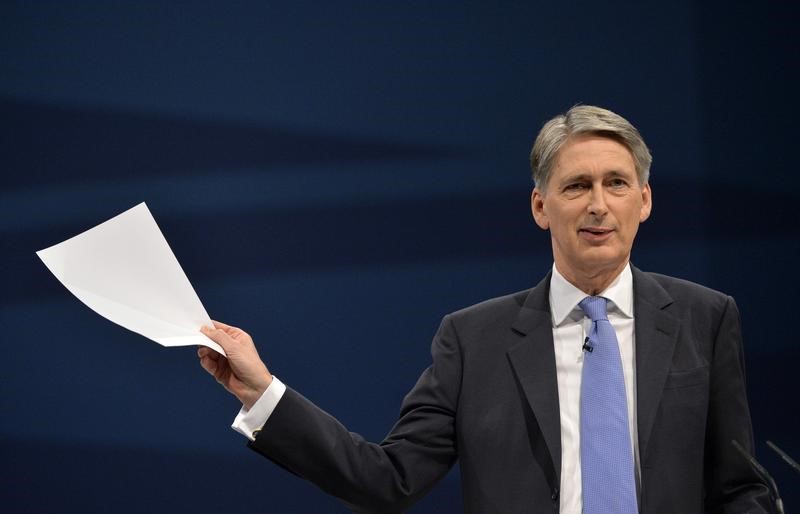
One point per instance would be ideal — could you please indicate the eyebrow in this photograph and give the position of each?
(586, 176)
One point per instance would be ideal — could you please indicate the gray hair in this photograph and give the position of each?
(586, 119)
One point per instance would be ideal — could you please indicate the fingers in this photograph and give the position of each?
(207, 361)
(236, 333)
(219, 336)
(206, 352)
(208, 365)
(217, 368)
(219, 324)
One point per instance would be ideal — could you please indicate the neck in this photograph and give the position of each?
(591, 281)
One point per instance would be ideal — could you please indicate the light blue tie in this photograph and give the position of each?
(608, 481)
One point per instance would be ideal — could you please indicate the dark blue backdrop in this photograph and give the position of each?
(335, 177)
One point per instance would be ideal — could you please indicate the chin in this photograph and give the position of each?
(603, 259)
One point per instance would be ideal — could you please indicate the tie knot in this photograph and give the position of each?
(594, 307)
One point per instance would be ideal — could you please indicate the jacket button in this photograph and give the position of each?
(554, 496)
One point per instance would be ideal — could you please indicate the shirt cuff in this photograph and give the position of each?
(249, 422)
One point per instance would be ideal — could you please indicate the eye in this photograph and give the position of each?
(575, 186)
(617, 182)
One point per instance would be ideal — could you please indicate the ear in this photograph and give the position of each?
(537, 209)
(647, 203)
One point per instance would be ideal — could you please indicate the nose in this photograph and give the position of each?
(597, 201)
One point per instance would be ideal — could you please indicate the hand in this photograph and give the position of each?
(242, 372)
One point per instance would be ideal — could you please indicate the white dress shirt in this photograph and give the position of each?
(249, 422)
(570, 327)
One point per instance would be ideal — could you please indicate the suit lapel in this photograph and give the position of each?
(656, 335)
(533, 362)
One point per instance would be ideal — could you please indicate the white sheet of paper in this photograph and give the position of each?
(124, 270)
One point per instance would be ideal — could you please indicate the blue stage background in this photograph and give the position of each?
(334, 178)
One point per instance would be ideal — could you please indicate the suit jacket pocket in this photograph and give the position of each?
(687, 378)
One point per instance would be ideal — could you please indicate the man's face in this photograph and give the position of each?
(593, 206)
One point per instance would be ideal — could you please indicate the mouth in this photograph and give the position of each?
(595, 234)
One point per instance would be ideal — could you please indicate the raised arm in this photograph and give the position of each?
(383, 477)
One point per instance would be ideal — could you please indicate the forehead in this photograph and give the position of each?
(592, 153)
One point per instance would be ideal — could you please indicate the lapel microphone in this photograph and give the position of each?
(587, 347)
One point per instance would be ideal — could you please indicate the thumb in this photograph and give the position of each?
(219, 337)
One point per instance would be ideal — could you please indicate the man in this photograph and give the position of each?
(602, 389)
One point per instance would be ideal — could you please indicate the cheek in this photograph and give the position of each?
(631, 226)
(563, 232)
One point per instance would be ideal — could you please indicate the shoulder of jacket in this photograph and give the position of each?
(493, 306)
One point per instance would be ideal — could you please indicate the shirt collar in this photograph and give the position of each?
(564, 297)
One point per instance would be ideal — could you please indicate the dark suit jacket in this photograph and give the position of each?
(490, 400)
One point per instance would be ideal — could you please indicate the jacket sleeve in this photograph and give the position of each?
(370, 477)
(731, 485)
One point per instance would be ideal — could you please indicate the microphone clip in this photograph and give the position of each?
(587, 347)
